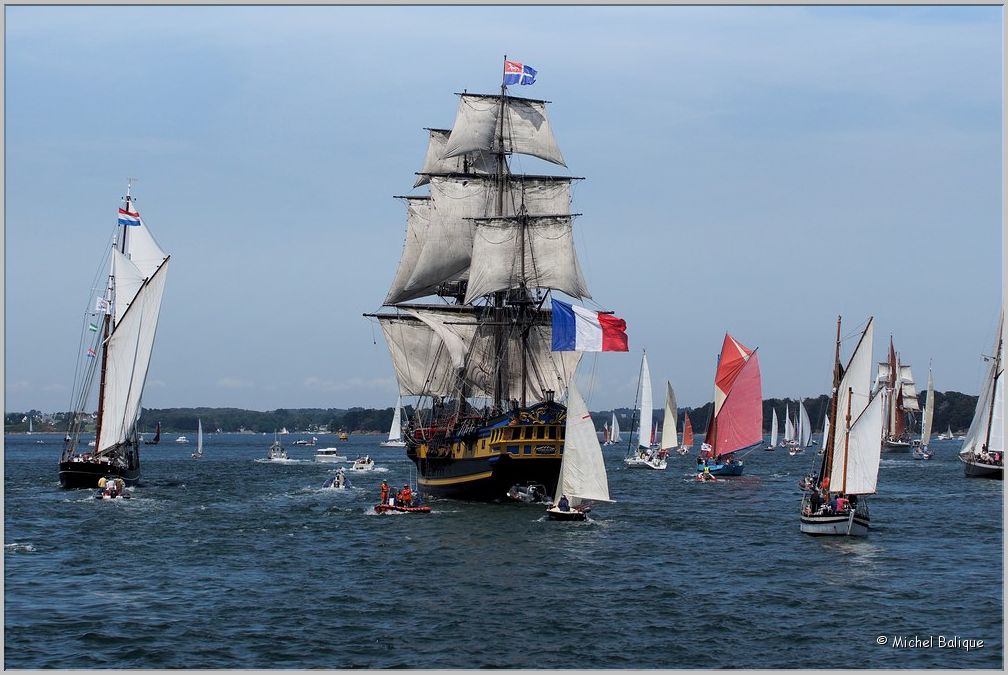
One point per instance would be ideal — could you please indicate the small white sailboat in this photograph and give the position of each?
(395, 439)
(789, 430)
(199, 440)
(920, 447)
(582, 477)
(982, 452)
(30, 429)
(773, 430)
(947, 435)
(835, 503)
(643, 457)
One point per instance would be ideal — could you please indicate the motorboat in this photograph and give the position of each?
(329, 455)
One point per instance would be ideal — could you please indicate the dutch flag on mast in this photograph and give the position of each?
(128, 217)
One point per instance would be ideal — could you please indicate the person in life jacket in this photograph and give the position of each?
(406, 495)
(384, 492)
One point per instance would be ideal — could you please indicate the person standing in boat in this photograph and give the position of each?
(384, 492)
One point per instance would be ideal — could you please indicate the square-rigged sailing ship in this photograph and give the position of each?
(491, 245)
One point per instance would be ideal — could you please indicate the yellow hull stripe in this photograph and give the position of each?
(455, 480)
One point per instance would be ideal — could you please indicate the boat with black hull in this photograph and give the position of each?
(982, 452)
(493, 245)
(119, 338)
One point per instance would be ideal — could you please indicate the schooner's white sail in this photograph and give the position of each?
(928, 412)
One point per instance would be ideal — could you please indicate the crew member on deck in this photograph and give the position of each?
(563, 504)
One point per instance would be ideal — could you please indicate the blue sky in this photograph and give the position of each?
(756, 170)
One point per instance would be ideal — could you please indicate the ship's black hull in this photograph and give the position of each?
(484, 479)
(85, 474)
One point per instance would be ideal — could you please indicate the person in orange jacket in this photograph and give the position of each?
(406, 495)
(384, 492)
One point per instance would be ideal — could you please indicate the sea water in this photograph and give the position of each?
(228, 562)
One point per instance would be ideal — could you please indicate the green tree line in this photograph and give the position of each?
(952, 409)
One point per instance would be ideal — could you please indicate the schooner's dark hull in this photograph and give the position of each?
(977, 469)
(517, 448)
(77, 472)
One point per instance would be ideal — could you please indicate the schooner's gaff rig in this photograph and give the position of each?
(119, 354)
(491, 244)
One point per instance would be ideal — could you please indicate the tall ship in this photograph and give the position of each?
(486, 247)
(895, 382)
(116, 347)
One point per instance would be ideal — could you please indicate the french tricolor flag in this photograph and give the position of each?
(128, 217)
(577, 329)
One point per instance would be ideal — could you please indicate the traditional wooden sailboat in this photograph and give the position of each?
(982, 452)
(895, 381)
(836, 504)
(669, 435)
(920, 447)
(122, 342)
(395, 439)
(737, 419)
(493, 245)
(582, 478)
(643, 456)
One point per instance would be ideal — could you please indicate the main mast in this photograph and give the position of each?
(827, 465)
(997, 365)
(106, 327)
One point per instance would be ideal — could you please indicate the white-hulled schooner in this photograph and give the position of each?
(836, 503)
(120, 337)
(491, 244)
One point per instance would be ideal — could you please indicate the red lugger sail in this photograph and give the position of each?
(738, 399)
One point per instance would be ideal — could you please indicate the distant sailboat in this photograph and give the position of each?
(687, 435)
(773, 430)
(789, 430)
(804, 426)
(614, 432)
(30, 425)
(895, 381)
(669, 434)
(199, 440)
(157, 435)
(395, 439)
(582, 477)
(736, 422)
(642, 456)
(982, 452)
(947, 436)
(920, 448)
(605, 433)
(835, 504)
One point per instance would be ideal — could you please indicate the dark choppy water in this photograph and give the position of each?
(231, 563)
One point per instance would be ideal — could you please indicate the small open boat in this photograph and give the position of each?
(385, 508)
